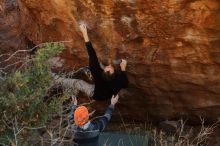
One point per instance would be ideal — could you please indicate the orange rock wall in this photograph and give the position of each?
(11, 37)
(172, 46)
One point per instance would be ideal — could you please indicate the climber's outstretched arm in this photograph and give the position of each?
(84, 32)
(93, 59)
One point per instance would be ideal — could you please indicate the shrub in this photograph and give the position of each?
(22, 94)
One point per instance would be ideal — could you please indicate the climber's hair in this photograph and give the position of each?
(117, 69)
(111, 62)
(107, 76)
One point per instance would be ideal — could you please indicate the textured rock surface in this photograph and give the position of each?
(173, 48)
(11, 37)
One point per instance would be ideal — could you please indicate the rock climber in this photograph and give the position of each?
(108, 80)
(86, 132)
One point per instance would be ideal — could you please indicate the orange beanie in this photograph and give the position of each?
(81, 116)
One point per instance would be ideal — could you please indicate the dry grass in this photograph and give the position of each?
(185, 135)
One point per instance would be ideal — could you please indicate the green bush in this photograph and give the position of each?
(22, 96)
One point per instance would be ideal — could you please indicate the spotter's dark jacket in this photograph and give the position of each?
(88, 134)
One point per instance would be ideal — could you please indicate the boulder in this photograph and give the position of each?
(172, 48)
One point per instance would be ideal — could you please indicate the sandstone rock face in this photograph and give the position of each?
(11, 37)
(173, 48)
